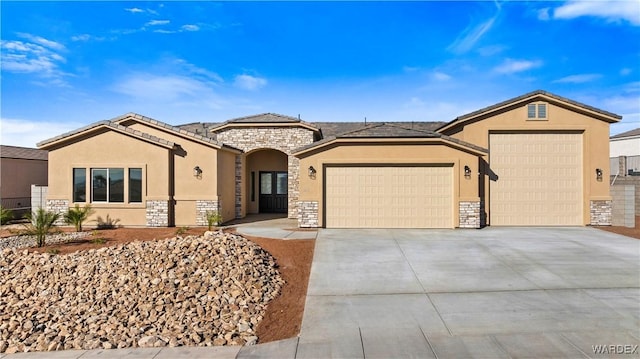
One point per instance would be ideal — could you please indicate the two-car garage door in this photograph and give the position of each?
(539, 179)
(389, 197)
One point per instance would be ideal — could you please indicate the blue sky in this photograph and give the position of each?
(69, 64)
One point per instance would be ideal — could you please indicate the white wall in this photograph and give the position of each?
(624, 147)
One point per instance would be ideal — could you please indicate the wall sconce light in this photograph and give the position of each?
(467, 172)
(599, 174)
(312, 172)
(197, 171)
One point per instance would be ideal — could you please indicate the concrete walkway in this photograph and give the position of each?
(491, 293)
(270, 227)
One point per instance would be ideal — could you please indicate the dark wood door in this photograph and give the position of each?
(273, 192)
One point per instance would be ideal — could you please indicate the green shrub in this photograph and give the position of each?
(99, 240)
(107, 223)
(214, 218)
(5, 215)
(40, 224)
(182, 230)
(78, 215)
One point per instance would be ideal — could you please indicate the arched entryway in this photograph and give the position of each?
(267, 184)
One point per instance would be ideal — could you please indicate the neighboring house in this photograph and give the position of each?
(20, 167)
(538, 159)
(627, 146)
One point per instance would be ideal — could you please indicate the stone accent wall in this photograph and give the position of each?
(284, 139)
(202, 206)
(60, 206)
(623, 206)
(470, 216)
(238, 203)
(600, 212)
(307, 214)
(157, 213)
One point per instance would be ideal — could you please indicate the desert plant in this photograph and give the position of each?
(78, 215)
(99, 240)
(5, 215)
(53, 251)
(40, 224)
(182, 230)
(107, 223)
(214, 218)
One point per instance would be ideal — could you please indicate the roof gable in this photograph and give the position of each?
(263, 120)
(529, 97)
(100, 126)
(181, 132)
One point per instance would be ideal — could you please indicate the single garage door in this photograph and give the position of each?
(389, 197)
(539, 179)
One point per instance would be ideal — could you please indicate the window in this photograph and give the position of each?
(107, 185)
(265, 183)
(79, 185)
(135, 185)
(281, 183)
(537, 111)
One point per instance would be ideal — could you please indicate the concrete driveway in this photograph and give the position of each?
(491, 293)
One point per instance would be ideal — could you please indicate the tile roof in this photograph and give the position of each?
(167, 126)
(390, 131)
(635, 132)
(265, 118)
(112, 125)
(24, 153)
(334, 128)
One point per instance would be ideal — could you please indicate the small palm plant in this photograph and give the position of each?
(40, 224)
(5, 215)
(78, 215)
(214, 218)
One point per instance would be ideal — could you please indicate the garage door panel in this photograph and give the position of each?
(539, 179)
(389, 197)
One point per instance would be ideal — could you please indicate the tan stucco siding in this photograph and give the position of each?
(595, 139)
(17, 176)
(227, 184)
(464, 189)
(111, 149)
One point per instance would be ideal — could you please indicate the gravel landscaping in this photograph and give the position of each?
(194, 290)
(21, 241)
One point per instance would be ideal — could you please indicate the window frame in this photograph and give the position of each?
(108, 185)
(534, 111)
(130, 187)
(74, 185)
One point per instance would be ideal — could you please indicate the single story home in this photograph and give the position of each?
(20, 167)
(624, 150)
(538, 159)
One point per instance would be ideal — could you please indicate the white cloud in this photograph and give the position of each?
(578, 79)
(510, 66)
(470, 36)
(248, 82)
(42, 41)
(441, 76)
(33, 58)
(162, 31)
(157, 22)
(190, 27)
(134, 10)
(625, 71)
(200, 72)
(612, 11)
(26, 133)
(87, 37)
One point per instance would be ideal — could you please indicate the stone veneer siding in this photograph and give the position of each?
(600, 212)
(157, 213)
(470, 214)
(285, 139)
(60, 206)
(308, 214)
(202, 206)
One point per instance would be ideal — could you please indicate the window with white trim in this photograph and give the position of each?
(537, 111)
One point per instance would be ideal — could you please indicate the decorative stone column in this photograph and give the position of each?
(307, 214)
(60, 206)
(202, 206)
(157, 213)
(293, 175)
(238, 203)
(600, 211)
(470, 216)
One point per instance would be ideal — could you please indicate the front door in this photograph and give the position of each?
(273, 192)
